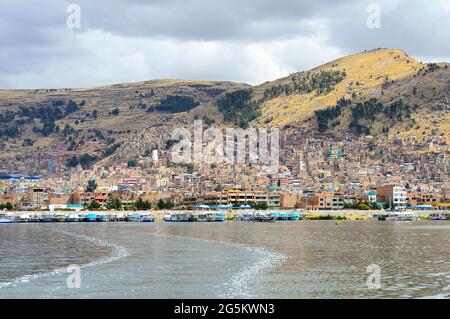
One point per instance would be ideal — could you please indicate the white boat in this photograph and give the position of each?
(6, 218)
(178, 217)
(245, 217)
(72, 218)
(103, 217)
(58, 217)
(201, 217)
(400, 216)
(406, 216)
(438, 216)
(209, 217)
(147, 218)
(266, 217)
(23, 218)
(35, 218)
(46, 217)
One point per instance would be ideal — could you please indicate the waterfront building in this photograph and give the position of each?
(395, 196)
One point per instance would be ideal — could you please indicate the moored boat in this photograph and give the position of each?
(22, 218)
(58, 217)
(91, 217)
(266, 217)
(35, 218)
(135, 217)
(245, 217)
(46, 217)
(6, 218)
(72, 218)
(178, 217)
(219, 217)
(294, 216)
(147, 218)
(396, 216)
(201, 217)
(437, 216)
(103, 217)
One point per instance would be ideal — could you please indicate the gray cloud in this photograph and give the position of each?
(250, 41)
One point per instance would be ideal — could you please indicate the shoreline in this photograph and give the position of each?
(111, 216)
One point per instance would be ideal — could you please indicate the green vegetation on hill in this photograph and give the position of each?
(238, 107)
(322, 82)
(364, 112)
(328, 114)
(84, 160)
(175, 104)
(46, 113)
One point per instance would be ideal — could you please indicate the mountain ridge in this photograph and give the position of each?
(381, 91)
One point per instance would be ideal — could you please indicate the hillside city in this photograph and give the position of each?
(343, 172)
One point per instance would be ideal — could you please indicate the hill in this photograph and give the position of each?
(379, 91)
(99, 121)
(382, 91)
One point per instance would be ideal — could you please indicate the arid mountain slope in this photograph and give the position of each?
(382, 91)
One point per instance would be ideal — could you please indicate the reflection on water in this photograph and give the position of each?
(307, 259)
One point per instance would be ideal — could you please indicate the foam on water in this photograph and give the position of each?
(238, 286)
(117, 252)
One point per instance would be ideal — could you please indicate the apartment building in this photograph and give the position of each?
(395, 196)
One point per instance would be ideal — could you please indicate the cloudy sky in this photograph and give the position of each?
(238, 40)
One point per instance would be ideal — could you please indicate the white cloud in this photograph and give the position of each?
(96, 58)
(252, 41)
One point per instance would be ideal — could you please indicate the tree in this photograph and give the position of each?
(7, 206)
(73, 161)
(132, 162)
(115, 112)
(144, 205)
(71, 107)
(259, 206)
(94, 205)
(175, 104)
(86, 160)
(91, 186)
(114, 203)
(68, 130)
(162, 204)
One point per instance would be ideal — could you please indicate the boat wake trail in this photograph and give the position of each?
(117, 252)
(238, 286)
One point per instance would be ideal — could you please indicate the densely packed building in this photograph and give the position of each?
(314, 173)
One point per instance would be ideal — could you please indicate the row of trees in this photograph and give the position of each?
(7, 206)
(116, 204)
(322, 82)
(362, 206)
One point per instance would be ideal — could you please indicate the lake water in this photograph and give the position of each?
(306, 259)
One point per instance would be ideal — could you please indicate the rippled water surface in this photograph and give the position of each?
(306, 259)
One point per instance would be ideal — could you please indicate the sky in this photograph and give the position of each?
(85, 43)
